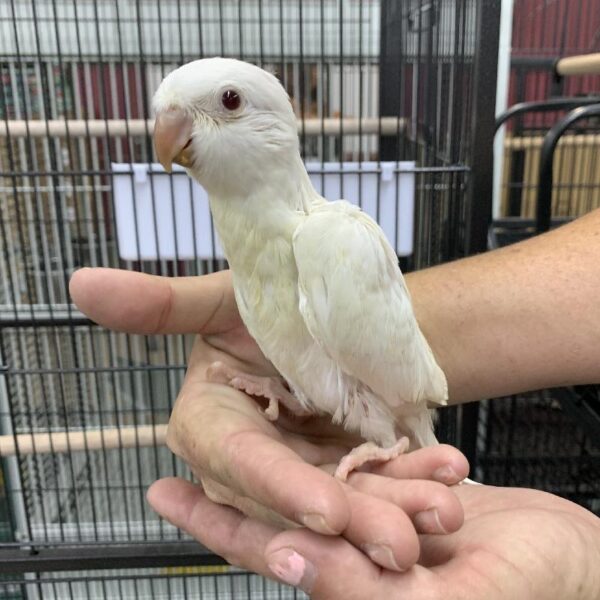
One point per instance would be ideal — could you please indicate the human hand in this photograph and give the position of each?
(270, 471)
(514, 544)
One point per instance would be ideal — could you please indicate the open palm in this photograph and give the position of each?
(517, 543)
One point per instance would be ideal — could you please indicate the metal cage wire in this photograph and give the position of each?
(198, 584)
(77, 81)
(371, 81)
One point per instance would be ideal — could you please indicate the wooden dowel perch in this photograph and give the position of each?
(140, 436)
(139, 127)
(583, 64)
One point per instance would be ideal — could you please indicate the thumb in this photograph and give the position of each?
(135, 302)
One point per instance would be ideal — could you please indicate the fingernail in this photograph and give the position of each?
(292, 568)
(428, 521)
(445, 474)
(317, 523)
(382, 555)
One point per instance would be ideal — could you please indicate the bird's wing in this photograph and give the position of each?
(357, 307)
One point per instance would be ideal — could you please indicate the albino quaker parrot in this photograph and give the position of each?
(316, 282)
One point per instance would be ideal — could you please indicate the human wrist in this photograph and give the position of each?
(435, 307)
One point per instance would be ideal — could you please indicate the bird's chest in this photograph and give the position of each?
(265, 281)
(266, 290)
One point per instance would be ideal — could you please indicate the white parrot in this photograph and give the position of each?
(316, 282)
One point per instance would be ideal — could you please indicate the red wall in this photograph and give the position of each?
(554, 28)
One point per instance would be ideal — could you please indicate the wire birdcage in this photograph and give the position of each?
(385, 92)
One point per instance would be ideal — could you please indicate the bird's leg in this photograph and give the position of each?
(366, 453)
(271, 388)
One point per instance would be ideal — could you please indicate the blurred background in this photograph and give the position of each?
(440, 118)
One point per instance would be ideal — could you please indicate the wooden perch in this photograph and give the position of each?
(77, 128)
(583, 64)
(140, 436)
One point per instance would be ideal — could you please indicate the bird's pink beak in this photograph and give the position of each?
(172, 137)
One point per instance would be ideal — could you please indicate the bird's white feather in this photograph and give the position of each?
(316, 283)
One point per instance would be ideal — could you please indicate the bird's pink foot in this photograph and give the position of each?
(271, 388)
(366, 453)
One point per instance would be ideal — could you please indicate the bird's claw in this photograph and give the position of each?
(271, 413)
(368, 452)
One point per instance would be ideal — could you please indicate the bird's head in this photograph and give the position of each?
(226, 121)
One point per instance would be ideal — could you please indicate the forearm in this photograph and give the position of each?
(521, 318)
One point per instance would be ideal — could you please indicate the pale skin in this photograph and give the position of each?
(521, 318)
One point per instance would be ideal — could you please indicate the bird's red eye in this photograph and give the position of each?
(231, 100)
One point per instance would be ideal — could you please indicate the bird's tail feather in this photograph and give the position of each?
(419, 429)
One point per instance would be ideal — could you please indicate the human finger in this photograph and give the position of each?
(381, 530)
(432, 506)
(395, 548)
(375, 502)
(442, 463)
(331, 568)
(149, 304)
(221, 494)
(240, 540)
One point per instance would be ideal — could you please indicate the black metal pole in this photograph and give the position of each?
(551, 105)
(482, 165)
(483, 126)
(517, 159)
(390, 84)
(14, 559)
